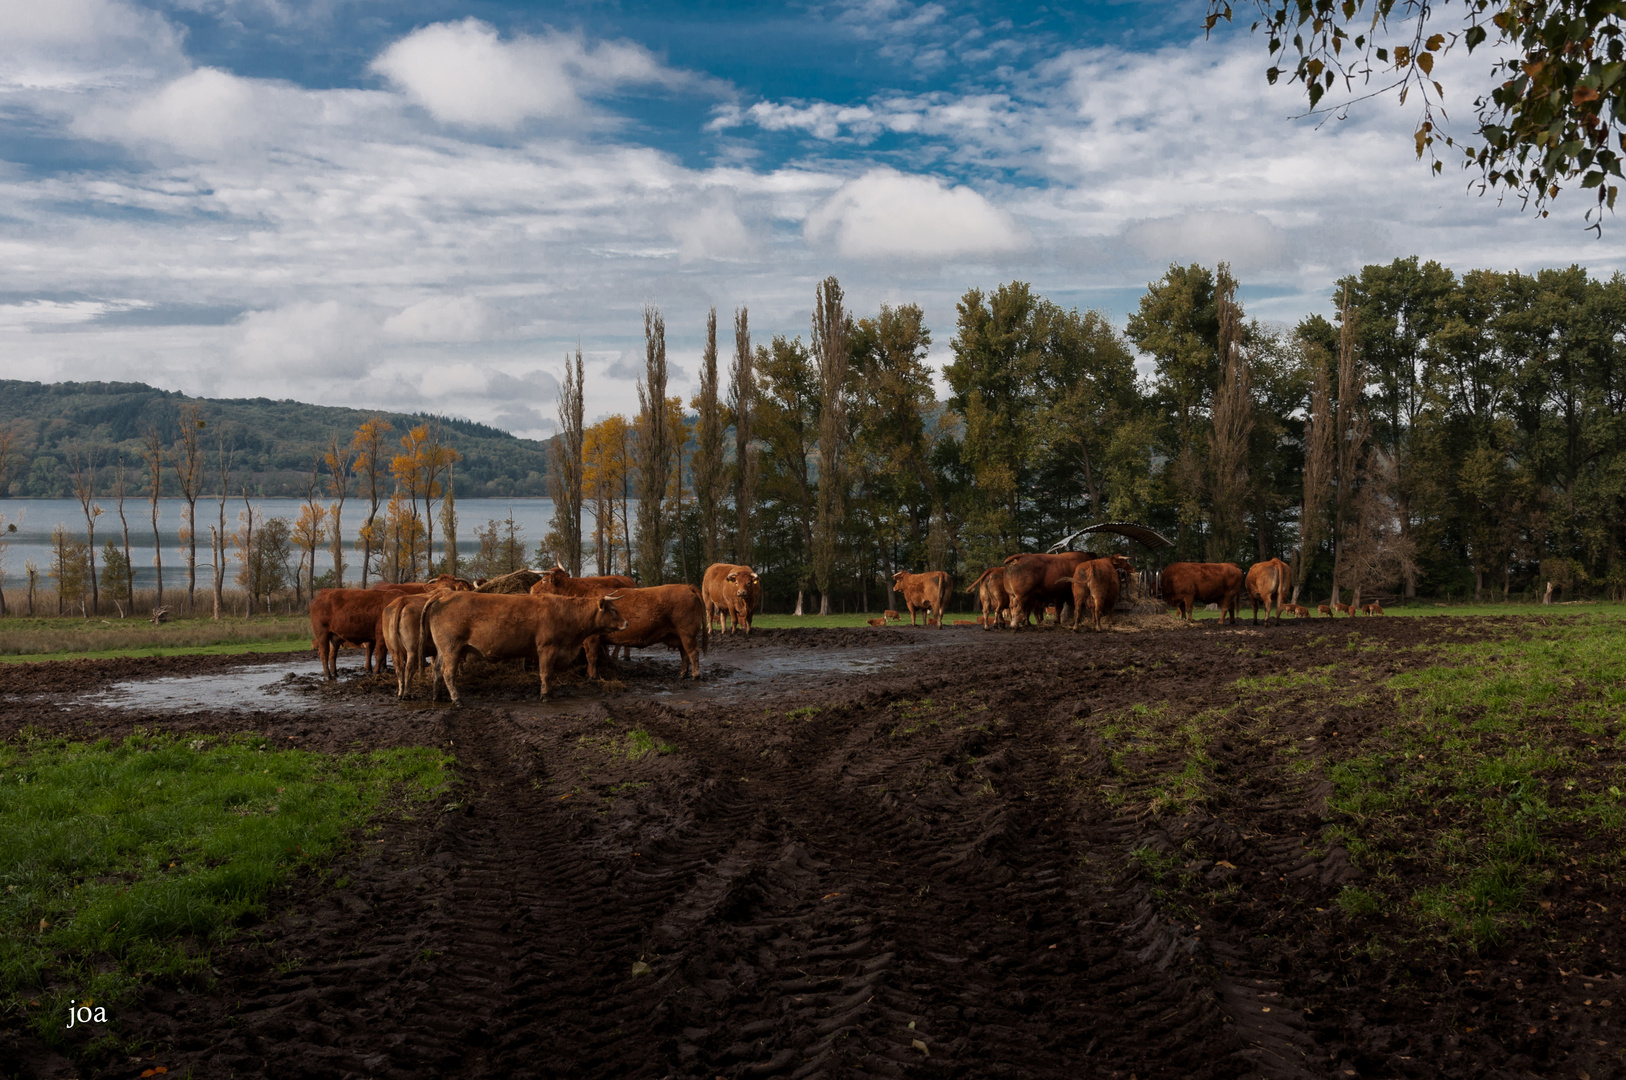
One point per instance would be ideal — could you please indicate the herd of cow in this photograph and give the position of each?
(553, 618)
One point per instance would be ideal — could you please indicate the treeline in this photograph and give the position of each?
(274, 440)
(1442, 436)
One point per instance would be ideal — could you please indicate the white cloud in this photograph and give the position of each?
(713, 231)
(1248, 241)
(322, 338)
(63, 44)
(885, 214)
(439, 318)
(32, 314)
(464, 74)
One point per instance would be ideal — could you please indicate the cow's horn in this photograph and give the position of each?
(612, 596)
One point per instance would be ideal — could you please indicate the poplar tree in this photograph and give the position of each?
(742, 404)
(368, 447)
(152, 452)
(708, 458)
(832, 331)
(1233, 424)
(654, 451)
(188, 466)
(565, 482)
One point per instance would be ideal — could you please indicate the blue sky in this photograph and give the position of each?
(422, 205)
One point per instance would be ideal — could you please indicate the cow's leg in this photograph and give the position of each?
(691, 655)
(449, 665)
(544, 664)
(590, 647)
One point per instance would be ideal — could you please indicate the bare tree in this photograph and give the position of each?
(1353, 431)
(742, 404)
(84, 489)
(1233, 425)
(654, 451)
(188, 465)
(831, 356)
(246, 516)
(340, 461)
(448, 525)
(152, 452)
(708, 457)
(1319, 453)
(129, 567)
(565, 482)
(218, 536)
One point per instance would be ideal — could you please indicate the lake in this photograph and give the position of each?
(35, 518)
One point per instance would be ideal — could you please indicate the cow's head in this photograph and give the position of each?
(608, 617)
(899, 576)
(742, 580)
(555, 577)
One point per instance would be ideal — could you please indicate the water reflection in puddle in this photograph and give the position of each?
(263, 687)
(293, 686)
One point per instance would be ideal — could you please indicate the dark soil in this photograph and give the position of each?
(910, 871)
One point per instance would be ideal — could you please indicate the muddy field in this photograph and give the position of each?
(844, 853)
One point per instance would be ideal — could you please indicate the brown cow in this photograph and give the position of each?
(1269, 584)
(1095, 585)
(443, 581)
(558, 582)
(731, 594)
(502, 626)
(872, 622)
(929, 590)
(1187, 584)
(893, 615)
(990, 592)
(1342, 607)
(349, 617)
(1374, 608)
(401, 630)
(1323, 609)
(1034, 581)
(659, 615)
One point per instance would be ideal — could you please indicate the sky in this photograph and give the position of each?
(418, 205)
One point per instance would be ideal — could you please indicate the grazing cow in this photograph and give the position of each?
(873, 622)
(503, 626)
(1269, 584)
(929, 591)
(1187, 584)
(1323, 609)
(1034, 581)
(1095, 586)
(350, 617)
(893, 615)
(1374, 608)
(660, 615)
(1341, 607)
(991, 596)
(731, 594)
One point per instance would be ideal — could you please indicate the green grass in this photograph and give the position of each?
(123, 861)
(23, 638)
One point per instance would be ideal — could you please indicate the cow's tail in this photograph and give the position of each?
(428, 614)
(975, 585)
(705, 634)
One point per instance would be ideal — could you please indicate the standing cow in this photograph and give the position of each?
(503, 626)
(1033, 582)
(731, 594)
(929, 591)
(1095, 588)
(1186, 584)
(660, 615)
(351, 617)
(1270, 584)
(990, 592)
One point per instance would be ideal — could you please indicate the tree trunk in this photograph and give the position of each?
(798, 603)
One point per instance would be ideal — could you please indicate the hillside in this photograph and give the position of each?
(275, 441)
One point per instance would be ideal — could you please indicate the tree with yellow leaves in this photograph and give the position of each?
(368, 447)
(607, 479)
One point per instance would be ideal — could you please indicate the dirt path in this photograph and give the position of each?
(901, 871)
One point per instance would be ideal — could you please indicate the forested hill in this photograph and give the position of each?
(275, 441)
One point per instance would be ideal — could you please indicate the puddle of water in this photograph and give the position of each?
(270, 687)
(257, 687)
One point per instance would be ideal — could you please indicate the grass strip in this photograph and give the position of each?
(124, 861)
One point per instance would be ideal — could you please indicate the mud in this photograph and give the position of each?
(900, 868)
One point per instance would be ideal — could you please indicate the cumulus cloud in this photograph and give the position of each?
(463, 73)
(63, 44)
(713, 231)
(439, 318)
(322, 338)
(885, 214)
